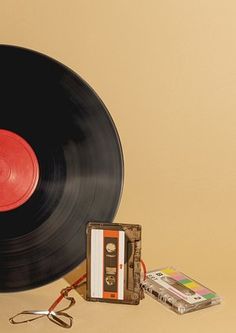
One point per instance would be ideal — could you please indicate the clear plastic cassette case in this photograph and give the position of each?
(178, 291)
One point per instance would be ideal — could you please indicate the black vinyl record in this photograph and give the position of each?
(54, 128)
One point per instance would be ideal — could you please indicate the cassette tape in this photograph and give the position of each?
(178, 291)
(113, 262)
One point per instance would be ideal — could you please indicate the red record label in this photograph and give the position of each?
(19, 171)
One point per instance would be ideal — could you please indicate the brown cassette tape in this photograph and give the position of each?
(113, 262)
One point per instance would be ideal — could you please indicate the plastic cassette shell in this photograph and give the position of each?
(113, 262)
(183, 296)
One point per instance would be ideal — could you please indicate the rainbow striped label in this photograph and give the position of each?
(181, 285)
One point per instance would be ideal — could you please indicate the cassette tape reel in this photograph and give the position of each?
(113, 262)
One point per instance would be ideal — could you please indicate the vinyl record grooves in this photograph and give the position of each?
(61, 166)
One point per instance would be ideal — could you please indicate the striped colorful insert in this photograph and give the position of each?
(189, 283)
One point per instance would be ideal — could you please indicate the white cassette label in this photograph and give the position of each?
(97, 265)
(121, 264)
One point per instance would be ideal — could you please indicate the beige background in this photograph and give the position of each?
(166, 70)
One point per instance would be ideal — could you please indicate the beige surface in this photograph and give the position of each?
(166, 70)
